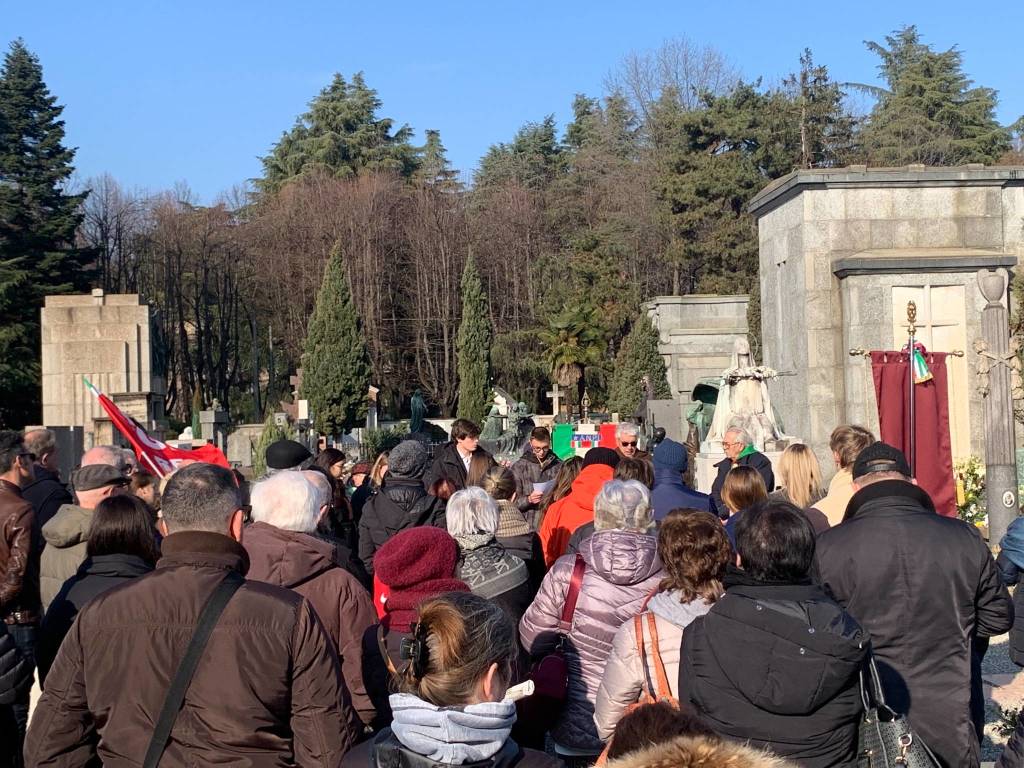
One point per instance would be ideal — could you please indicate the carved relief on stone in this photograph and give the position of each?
(987, 361)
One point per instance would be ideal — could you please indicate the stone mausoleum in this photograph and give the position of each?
(112, 340)
(842, 251)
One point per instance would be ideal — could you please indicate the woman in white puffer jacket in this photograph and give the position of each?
(694, 551)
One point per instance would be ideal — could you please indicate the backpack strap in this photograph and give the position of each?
(214, 607)
(575, 583)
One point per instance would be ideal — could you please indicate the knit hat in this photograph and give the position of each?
(880, 457)
(412, 566)
(670, 455)
(408, 459)
(599, 455)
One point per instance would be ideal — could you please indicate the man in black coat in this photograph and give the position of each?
(453, 459)
(776, 661)
(923, 586)
(740, 451)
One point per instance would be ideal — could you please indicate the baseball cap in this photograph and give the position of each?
(880, 457)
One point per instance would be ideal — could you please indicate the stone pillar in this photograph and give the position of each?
(1000, 461)
(214, 426)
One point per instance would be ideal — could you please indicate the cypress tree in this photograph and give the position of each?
(38, 221)
(271, 434)
(473, 347)
(335, 363)
(638, 357)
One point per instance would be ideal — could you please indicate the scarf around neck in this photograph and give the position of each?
(486, 567)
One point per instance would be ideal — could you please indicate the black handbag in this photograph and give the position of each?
(886, 739)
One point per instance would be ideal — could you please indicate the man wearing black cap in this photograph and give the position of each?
(924, 587)
(286, 455)
(66, 532)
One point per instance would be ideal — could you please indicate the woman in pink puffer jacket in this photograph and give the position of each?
(694, 551)
(622, 570)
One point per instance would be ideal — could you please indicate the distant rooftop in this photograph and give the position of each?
(971, 175)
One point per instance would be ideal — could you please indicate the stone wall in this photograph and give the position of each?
(834, 243)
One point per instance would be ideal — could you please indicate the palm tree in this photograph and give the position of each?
(572, 341)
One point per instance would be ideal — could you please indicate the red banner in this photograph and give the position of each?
(153, 454)
(934, 469)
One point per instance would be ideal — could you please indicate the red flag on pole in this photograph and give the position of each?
(158, 456)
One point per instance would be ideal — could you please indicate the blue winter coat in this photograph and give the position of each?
(671, 493)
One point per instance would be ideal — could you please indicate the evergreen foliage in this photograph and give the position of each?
(929, 113)
(434, 167)
(342, 136)
(271, 434)
(826, 129)
(638, 357)
(573, 342)
(38, 220)
(533, 158)
(473, 347)
(335, 363)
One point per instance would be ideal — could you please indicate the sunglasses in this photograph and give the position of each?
(628, 445)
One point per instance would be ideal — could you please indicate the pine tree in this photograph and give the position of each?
(929, 113)
(473, 347)
(38, 221)
(638, 357)
(825, 127)
(335, 363)
(340, 135)
(434, 168)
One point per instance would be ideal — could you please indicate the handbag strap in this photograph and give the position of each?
(214, 607)
(572, 595)
(646, 683)
(664, 690)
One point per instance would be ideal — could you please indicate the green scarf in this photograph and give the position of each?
(746, 451)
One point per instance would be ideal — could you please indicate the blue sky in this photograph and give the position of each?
(159, 92)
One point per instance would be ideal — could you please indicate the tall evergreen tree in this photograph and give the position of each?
(340, 135)
(638, 357)
(473, 347)
(534, 158)
(929, 113)
(38, 220)
(335, 363)
(434, 168)
(825, 127)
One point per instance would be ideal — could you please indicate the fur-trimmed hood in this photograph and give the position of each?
(698, 752)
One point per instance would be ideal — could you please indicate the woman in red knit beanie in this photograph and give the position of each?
(412, 566)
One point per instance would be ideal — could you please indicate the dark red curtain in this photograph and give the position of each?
(934, 452)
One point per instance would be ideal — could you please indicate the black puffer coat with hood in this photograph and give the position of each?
(778, 666)
(401, 503)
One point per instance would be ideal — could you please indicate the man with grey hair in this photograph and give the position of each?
(627, 440)
(485, 565)
(284, 551)
(47, 494)
(105, 454)
(267, 689)
(740, 451)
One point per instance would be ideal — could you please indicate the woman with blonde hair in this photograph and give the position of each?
(742, 489)
(560, 488)
(450, 708)
(800, 477)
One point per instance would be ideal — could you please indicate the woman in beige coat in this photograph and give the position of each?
(694, 550)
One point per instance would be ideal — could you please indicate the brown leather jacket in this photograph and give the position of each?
(15, 545)
(307, 565)
(267, 693)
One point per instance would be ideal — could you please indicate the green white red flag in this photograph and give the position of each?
(154, 454)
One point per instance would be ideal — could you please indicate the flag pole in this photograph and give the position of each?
(912, 398)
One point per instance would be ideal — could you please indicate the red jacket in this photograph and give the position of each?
(566, 515)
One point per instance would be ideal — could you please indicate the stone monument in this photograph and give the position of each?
(842, 251)
(743, 402)
(112, 340)
(996, 373)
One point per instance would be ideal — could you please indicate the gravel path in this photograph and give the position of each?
(1004, 688)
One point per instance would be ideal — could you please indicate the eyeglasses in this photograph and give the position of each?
(730, 445)
(628, 445)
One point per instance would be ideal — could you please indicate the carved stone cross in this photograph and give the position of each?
(556, 396)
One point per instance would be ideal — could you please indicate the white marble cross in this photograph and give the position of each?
(556, 395)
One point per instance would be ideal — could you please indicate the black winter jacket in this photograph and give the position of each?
(95, 576)
(401, 503)
(15, 670)
(758, 461)
(778, 666)
(386, 751)
(448, 463)
(921, 585)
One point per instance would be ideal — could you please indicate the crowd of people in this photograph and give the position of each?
(436, 609)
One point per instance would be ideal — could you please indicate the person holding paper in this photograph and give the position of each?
(537, 467)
